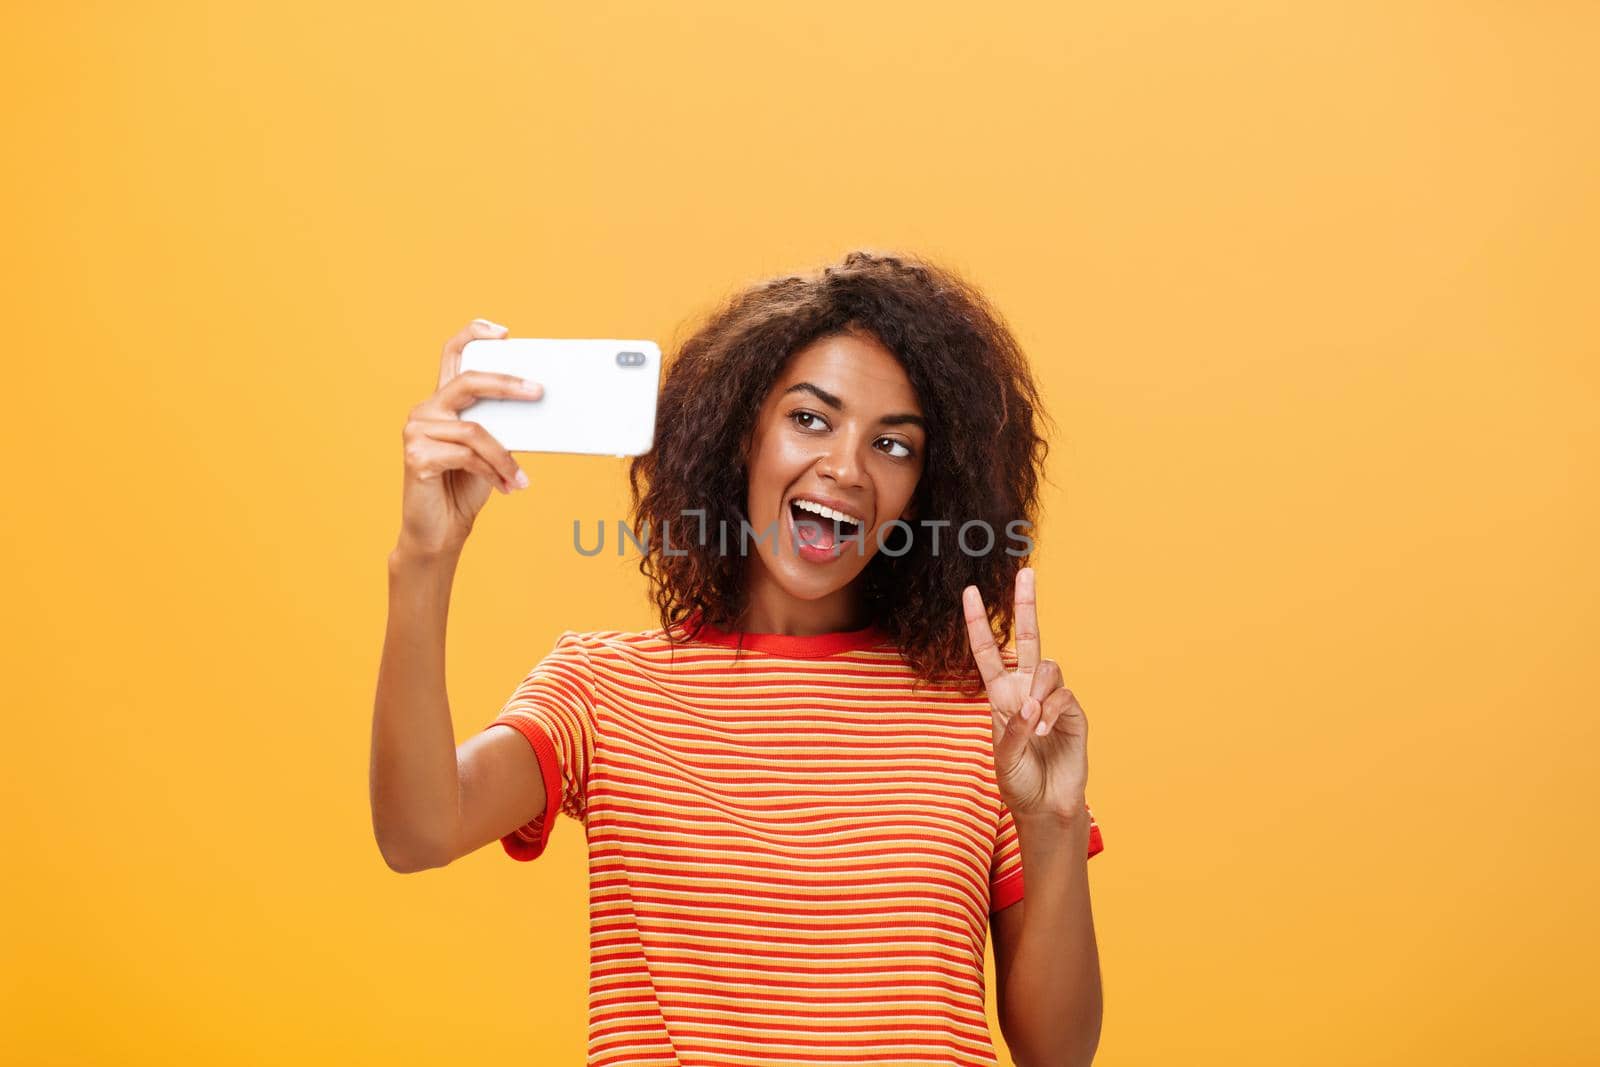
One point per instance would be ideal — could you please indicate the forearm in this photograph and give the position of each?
(1052, 987)
(414, 782)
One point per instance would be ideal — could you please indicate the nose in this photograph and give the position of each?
(839, 461)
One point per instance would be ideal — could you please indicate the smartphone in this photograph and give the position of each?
(599, 395)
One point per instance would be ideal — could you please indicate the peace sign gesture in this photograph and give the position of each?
(1040, 734)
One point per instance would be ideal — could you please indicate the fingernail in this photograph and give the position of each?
(532, 387)
(491, 325)
(521, 479)
(1042, 729)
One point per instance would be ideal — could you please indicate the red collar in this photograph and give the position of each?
(802, 647)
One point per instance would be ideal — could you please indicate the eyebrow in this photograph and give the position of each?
(902, 419)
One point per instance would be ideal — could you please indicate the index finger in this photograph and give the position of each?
(1025, 612)
(466, 388)
(450, 359)
(980, 638)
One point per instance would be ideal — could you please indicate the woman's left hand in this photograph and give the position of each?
(1040, 734)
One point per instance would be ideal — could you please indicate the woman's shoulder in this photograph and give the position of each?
(596, 640)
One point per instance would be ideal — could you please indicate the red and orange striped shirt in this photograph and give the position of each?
(792, 855)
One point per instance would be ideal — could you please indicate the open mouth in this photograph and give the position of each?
(821, 527)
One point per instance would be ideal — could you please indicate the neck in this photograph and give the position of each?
(768, 609)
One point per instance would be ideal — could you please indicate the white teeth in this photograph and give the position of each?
(827, 513)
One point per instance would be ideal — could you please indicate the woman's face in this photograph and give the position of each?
(840, 430)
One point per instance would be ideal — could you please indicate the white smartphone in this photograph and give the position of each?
(599, 395)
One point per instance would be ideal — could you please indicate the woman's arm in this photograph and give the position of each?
(1046, 959)
(434, 801)
(414, 778)
(1047, 964)
(422, 808)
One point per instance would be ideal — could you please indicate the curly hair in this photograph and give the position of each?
(984, 459)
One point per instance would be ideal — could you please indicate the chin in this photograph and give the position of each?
(805, 580)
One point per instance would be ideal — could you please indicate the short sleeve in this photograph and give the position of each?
(553, 708)
(1005, 870)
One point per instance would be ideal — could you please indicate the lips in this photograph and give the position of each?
(820, 526)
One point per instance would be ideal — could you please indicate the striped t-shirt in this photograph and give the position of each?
(792, 856)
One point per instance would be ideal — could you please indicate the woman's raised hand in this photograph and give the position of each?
(452, 465)
(1040, 733)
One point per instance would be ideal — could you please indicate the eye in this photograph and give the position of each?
(894, 442)
(798, 416)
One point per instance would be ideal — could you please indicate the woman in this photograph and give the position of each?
(806, 792)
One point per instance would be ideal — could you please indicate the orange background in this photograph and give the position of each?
(1304, 288)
